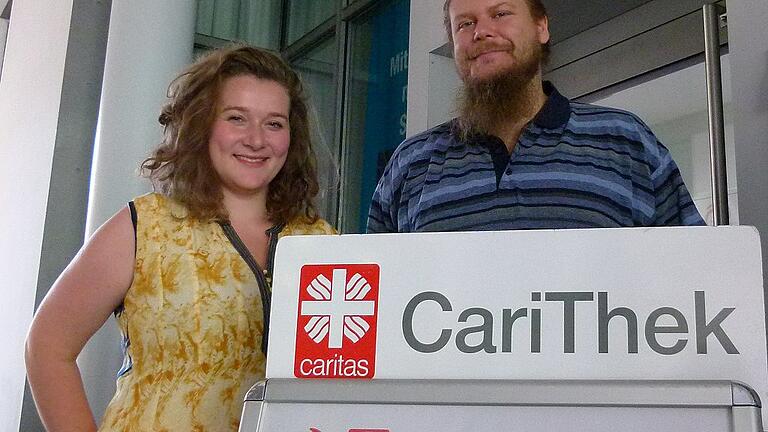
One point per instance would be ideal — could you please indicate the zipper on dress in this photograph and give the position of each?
(273, 237)
(264, 289)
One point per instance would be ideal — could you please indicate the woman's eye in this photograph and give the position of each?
(235, 118)
(275, 125)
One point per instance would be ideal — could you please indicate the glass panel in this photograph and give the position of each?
(317, 70)
(204, 23)
(256, 22)
(218, 18)
(305, 15)
(675, 107)
(376, 106)
(260, 23)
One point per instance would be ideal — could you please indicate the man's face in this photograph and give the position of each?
(495, 37)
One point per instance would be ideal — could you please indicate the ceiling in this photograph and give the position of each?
(570, 17)
(5, 9)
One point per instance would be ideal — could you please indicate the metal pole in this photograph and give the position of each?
(715, 110)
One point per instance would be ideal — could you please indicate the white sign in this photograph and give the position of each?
(660, 303)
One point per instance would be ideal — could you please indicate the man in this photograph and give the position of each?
(520, 155)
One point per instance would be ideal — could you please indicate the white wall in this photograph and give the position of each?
(444, 83)
(30, 92)
(748, 45)
(426, 35)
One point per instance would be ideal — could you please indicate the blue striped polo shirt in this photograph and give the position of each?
(575, 165)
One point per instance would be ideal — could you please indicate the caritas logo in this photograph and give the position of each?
(336, 332)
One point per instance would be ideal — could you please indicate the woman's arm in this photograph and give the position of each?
(80, 301)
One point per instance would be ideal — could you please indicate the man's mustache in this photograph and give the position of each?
(485, 48)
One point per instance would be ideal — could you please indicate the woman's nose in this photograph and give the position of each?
(255, 137)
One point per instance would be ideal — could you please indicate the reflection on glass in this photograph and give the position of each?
(675, 107)
(254, 22)
(317, 69)
(305, 15)
(376, 106)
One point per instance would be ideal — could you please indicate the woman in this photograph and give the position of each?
(187, 271)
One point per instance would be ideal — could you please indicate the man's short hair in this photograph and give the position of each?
(538, 11)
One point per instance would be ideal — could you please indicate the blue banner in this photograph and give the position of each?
(385, 116)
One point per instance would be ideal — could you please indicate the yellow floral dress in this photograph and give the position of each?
(192, 323)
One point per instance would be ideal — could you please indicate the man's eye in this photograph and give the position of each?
(500, 14)
(464, 24)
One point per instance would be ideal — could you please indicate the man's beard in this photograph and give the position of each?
(484, 105)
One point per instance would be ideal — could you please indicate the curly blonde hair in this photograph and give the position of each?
(180, 166)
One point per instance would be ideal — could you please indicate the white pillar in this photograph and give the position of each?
(30, 93)
(149, 43)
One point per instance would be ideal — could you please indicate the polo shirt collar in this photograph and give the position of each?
(556, 110)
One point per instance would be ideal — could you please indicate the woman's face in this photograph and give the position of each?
(250, 134)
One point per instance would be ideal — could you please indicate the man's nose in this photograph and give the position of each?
(484, 29)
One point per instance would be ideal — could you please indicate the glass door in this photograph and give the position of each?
(674, 106)
(651, 61)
